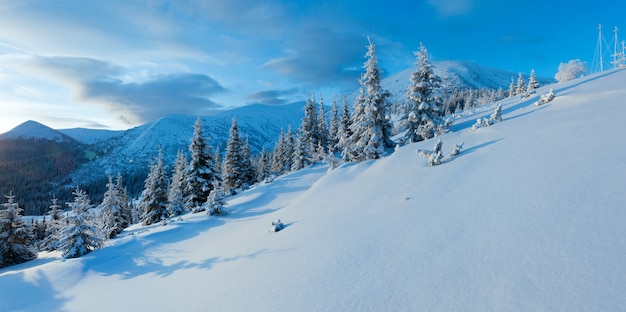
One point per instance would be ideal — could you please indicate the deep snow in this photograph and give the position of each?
(529, 217)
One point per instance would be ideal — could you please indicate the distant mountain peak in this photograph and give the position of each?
(34, 130)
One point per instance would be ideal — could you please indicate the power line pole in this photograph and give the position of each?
(600, 46)
(616, 59)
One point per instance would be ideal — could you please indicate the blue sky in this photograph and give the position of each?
(115, 64)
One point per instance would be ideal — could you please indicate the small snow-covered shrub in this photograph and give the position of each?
(435, 156)
(545, 98)
(480, 123)
(497, 114)
(493, 118)
(456, 149)
(277, 225)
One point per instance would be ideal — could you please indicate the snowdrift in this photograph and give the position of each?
(528, 217)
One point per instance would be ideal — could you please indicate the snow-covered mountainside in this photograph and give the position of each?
(34, 130)
(135, 148)
(528, 217)
(90, 136)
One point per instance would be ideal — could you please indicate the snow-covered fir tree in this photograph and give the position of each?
(344, 133)
(217, 161)
(153, 200)
(423, 112)
(80, 234)
(201, 170)
(249, 173)
(38, 229)
(233, 166)
(111, 211)
(125, 206)
(521, 84)
(371, 127)
(282, 157)
(299, 158)
(15, 235)
(333, 130)
(53, 226)
(175, 200)
(512, 89)
(216, 202)
(532, 82)
(323, 133)
(263, 166)
(309, 127)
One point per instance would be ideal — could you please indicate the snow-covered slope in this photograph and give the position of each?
(529, 217)
(34, 130)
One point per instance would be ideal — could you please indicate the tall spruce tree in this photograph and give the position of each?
(309, 127)
(532, 82)
(201, 171)
(153, 200)
(282, 157)
(345, 133)
(300, 160)
(371, 127)
(322, 133)
(249, 173)
(512, 89)
(521, 84)
(80, 235)
(333, 130)
(15, 235)
(122, 195)
(53, 226)
(423, 111)
(111, 211)
(233, 167)
(175, 200)
(263, 166)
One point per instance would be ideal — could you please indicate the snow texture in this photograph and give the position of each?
(528, 217)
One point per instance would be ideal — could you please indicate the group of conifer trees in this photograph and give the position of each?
(200, 181)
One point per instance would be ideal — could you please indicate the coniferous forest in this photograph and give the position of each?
(34, 173)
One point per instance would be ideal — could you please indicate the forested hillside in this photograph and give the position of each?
(36, 168)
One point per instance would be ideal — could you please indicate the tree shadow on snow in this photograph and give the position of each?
(147, 254)
(33, 293)
(136, 256)
(477, 147)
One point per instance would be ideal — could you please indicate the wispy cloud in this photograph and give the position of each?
(99, 82)
(157, 97)
(448, 8)
(271, 97)
(318, 55)
(83, 123)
